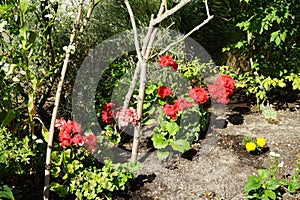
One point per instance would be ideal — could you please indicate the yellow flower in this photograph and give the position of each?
(250, 146)
(261, 142)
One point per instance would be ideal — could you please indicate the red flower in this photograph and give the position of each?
(183, 103)
(227, 82)
(65, 138)
(171, 110)
(60, 123)
(222, 89)
(199, 95)
(76, 127)
(63, 135)
(166, 61)
(164, 91)
(65, 143)
(91, 140)
(66, 128)
(126, 116)
(107, 113)
(77, 139)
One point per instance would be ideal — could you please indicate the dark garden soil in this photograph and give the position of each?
(218, 166)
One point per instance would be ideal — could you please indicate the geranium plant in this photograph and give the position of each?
(74, 169)
(180, 116)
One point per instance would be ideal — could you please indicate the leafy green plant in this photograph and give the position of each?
(269, 112)
(270, 47)
(293, 185)
(15, 154)
(77, 172)
(28, 60)
(262, 186)
(267, 186)
(168, 137)
(6, 192)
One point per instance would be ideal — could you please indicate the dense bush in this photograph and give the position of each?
(271, 42)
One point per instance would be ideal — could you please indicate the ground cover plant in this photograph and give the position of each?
(168, 92)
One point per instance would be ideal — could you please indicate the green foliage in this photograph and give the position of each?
(267, 186)
(169, 135)
(15, 154)
(195, 71)
(293, 185)
(112, 77)
(268, 112)
(112, 134)
(177, 135)
(29, 62)
(262, 186)
(77, 172)
(6, 192)
(273, 44)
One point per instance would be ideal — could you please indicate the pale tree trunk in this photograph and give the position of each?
(59, 90)
(143, 57)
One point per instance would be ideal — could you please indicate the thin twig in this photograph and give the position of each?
(150, 40)
(147, 38)
(145, 54)
(136, 40)
(167, 13)
(56, 104)
(209, 17)
(207, 9)
(92, 5)
(132, 86)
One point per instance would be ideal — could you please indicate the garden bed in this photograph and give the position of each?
(219, 166)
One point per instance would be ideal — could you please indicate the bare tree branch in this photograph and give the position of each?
(147, 38)
(143, 55)
(152, 36)
(140, 103)
(56, 104)
(209, 17)
(207, 8)
(167, 13)
(92, 5)
(161, 9)
(132, 86)
(147, 46)
(136, 40)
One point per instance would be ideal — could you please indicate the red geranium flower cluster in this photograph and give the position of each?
(126, 116)
(70, 133)
(66, 128)
(167, 61)
(164, 91)
(107, 113)
(221, 90)
(91, 140)
(183, 103)
(199, 95)
(171, 110)
(179, 105)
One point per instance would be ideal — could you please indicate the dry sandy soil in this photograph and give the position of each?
(218, 166)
